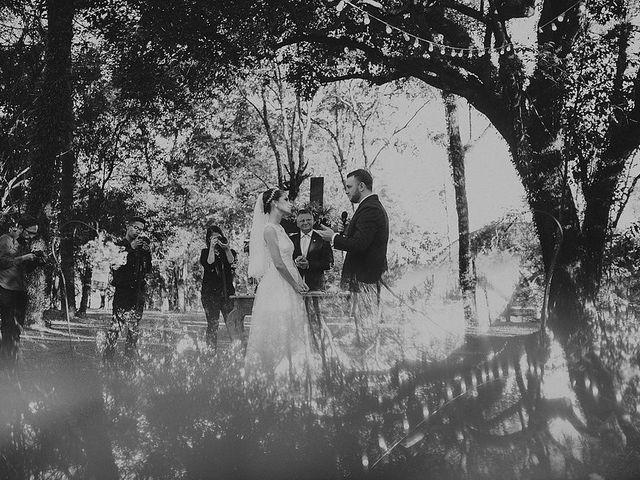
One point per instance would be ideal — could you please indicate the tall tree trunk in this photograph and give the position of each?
(52, 137)
(534, 133)
(64, 36)
(172, 289)
(67, 234)
(600, 193)
(181, 286)
(456, 154)
(87, 277)
(541, 156)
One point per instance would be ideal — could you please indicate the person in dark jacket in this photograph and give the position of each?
(129, 280)
(15, 259)
(218, 261)
(365, 241)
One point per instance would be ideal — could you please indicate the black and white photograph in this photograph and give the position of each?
(319, 239)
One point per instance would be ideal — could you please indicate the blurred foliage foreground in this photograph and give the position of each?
(521, 407)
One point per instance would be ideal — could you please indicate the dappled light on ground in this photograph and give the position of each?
(486, 407)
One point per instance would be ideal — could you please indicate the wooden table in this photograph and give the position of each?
(243, 304)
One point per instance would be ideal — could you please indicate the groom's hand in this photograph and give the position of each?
(326, 233)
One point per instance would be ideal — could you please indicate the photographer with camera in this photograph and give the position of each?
(218, 261)
(129, 279)
(15, 259)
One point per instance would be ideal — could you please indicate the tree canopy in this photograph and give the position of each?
(557, 79)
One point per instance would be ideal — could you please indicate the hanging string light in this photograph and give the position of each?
(582, 8)
(417, 41)
(453, 51)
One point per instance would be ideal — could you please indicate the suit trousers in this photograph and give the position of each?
(128, 305)
(13, 305)
(214, 304)
(365, 303)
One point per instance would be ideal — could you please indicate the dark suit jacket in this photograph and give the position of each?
(320, 258)
(133, 273)
(365, 242)
(217, 278)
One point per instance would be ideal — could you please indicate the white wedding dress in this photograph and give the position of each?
(279, 343)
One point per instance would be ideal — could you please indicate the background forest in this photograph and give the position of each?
(176, 112)
(503, 138)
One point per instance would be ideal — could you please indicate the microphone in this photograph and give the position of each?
(343, 218)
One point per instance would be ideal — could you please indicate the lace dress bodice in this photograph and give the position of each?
(285, 245)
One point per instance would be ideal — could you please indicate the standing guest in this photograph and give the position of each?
(15, 258)
(129, 280)
(312, 255)
(365, 241)
(218, 261)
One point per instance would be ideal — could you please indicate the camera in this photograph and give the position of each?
(41, 257)
(322, 221)
(144, 241)
(222, 239)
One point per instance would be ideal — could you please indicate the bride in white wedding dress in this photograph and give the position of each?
(279, 343)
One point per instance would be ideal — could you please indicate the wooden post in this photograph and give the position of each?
(316, 191)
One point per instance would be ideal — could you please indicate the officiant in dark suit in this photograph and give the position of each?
(312, 255)
(365, 241)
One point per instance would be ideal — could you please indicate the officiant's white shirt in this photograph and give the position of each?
(305, 241)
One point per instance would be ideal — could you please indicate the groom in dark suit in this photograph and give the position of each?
(365, 241)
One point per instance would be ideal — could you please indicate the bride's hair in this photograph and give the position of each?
(269, 196)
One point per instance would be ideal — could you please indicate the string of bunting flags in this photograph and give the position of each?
(434, 46)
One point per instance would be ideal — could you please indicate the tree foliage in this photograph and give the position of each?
(535, 94)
